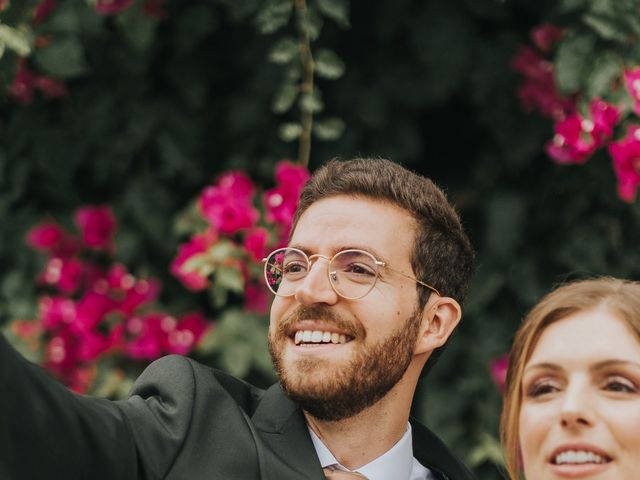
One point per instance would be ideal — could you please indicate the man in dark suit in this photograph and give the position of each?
(366, 293)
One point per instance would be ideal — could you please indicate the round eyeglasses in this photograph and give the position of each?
(352, 273)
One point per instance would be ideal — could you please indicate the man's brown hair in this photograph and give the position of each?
(441, 256)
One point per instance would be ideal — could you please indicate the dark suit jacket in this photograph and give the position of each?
(183, 421)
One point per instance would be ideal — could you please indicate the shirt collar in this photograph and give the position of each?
(396, 462)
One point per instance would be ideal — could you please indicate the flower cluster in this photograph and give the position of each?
(27, 82)
(242, 224)
(91, 309)
(580, 132)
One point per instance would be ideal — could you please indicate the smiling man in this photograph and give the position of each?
(366, 295)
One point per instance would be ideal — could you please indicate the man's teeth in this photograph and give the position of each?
(573, 456)
(317, 336)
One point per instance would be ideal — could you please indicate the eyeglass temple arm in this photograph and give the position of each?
(433, 289)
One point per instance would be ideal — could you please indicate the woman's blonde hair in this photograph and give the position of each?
(620, 297)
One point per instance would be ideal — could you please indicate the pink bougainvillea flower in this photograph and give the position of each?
(91, 310)
(61, 353)
(154, 9)
(632, 82)
(43, 10)
(546, 36)
(538, 90)
(281, 202)
(91, 345)
(256, 242)
(186, 333)
(4, 4)
(97, 226)
(498, 368)
(147, 335)
(291, 176)
(626, 163)
(197, 245)
(45, 236)
(26, 329)
(22, 88)
(143, 292)
(56, 312)
(256, 298)
(228, 205)
(604, 116)
(64, 274)
(109, 7)
(50, 87)
(577, 138)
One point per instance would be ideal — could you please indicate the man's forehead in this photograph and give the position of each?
(342, 222)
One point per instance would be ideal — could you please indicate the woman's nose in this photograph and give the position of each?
(575, 410)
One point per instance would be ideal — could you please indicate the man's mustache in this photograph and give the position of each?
(320, 313)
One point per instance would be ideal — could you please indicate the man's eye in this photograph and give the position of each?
(358, 269)
(294, 268)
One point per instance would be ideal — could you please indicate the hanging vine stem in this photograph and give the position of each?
(306, 85)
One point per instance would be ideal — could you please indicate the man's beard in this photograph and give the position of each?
(347, 389)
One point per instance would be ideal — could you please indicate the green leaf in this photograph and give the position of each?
(201, 264)
(328, 65)
(290, 131)
(218, 295)
(489, 449)
(222, 251)
(572, 62)
(274, 15)
(329, 128)
(284, 51)
(310, 22)
(138, 29)
(606, 27)
(63, 58)
(311, 102)
(336, 10)
(16, 40)
(236, 358)
(229, 278)
(606, 69)
(284, 98)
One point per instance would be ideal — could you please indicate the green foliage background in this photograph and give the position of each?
(157, 109)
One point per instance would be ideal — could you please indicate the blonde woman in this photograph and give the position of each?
(572, 404)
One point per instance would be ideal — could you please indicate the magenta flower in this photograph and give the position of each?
(22, 88)
(632, 82)
(577, 138)
(50, 87)
(147, 334)
(64, 274)
(626, 163)
(256, 298)
(155, 9)
(43, 10)
(197, 245)
(97, 226)
(546, 36)
(91, 309)
(56, 312)
(228, 205)
(110, 7)
(291, 176)
(46, 236)
(538, 90)
(498, 368)
(256, 242)
(186, 333)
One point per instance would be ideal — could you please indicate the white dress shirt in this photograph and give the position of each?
(397, 463)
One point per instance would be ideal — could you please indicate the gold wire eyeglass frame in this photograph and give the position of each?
(332, 275)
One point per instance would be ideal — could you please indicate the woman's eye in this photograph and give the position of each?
(540, 389)
(621, 385)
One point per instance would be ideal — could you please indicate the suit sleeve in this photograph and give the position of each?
(48, 432)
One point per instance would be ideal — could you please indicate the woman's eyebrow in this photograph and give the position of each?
(615, 362)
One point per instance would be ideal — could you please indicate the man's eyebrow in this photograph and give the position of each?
(367, 249)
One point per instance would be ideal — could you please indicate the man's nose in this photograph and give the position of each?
(576, 410)
(315, 287)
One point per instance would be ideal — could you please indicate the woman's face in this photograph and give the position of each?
(580, 414)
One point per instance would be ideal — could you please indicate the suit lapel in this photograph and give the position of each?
(288, 446)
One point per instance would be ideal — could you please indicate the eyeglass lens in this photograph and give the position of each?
(352, 273)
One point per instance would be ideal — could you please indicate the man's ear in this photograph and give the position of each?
(439, 319)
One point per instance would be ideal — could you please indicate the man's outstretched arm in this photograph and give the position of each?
(48, 432)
